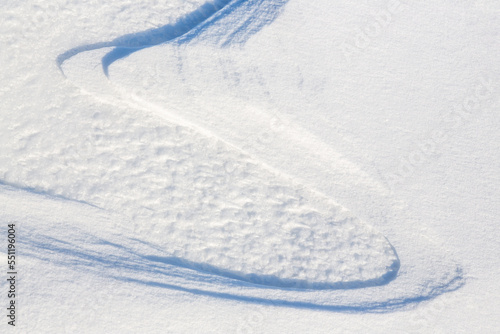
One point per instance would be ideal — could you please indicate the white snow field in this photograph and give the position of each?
(251, 166)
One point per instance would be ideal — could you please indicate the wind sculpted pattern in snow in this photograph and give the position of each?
(252, 225)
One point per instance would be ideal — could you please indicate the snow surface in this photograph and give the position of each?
(252, 166)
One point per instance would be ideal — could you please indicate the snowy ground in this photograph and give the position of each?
(258, 166)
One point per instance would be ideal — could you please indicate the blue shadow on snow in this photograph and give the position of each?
(223, 22)
(122, 263)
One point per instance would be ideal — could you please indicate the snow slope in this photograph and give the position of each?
(196, 164)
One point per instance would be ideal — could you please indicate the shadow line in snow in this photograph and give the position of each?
(46, 194)
(79, 254)
(251, 16)
(377, 307)
(90, 253)
(130, 43)
(274, 281)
